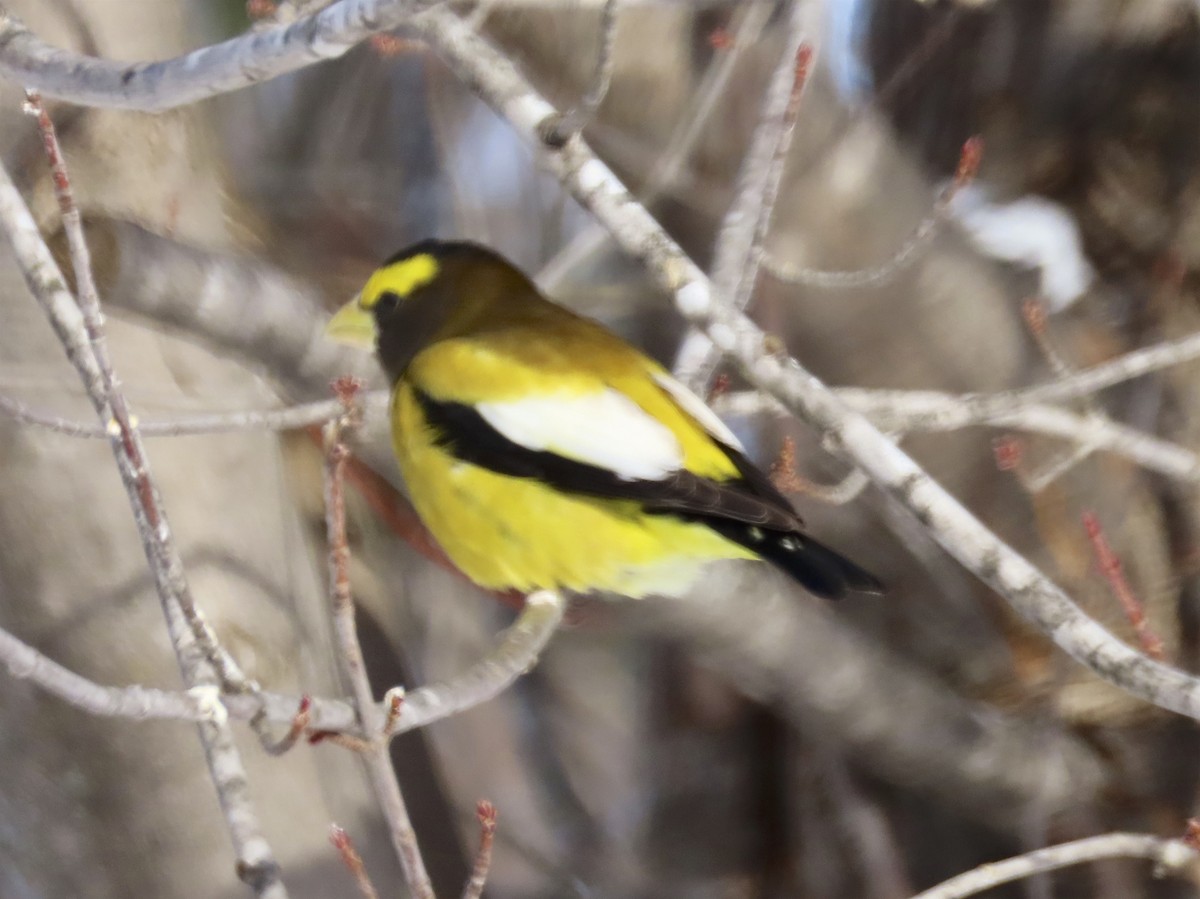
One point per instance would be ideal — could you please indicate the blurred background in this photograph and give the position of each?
(752, 743)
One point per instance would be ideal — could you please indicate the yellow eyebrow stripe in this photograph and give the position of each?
(402, 278)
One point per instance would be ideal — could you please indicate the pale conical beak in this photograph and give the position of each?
(353, 325)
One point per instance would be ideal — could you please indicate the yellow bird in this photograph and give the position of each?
(543, 451)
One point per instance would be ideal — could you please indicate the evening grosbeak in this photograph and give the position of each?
(544, 452)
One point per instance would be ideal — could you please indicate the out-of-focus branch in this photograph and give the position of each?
(744, 228)
(1113, 571)
(81, 334)
(1169, 857)
(218, 69)
(575, 120)
(826, 679)
(289, 419)
(935, 411)
(908, 252)
(889, 410)
(180, 286)
(852, 436)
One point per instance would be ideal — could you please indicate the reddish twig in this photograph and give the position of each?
(374, 751)
(395, 511)
(721, 39)
(1191, 834)
(486, 813)
(346, 741)
(78, 323)
(393, 46)
(909, 251)
(783, 469)
(163, 557)
(1110, 567)
(1009, 452)
(395, 706)
(353, 861)
(297, 729)
(260, 9)
(804, 56)
(786, 477)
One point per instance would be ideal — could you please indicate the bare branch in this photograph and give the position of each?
(740, 239)
(135, 702)
(1029, 591)
(1113, 571)
(375, 752)
(108, 399)
(80, 335)
(906, 255)
(937, 414)
(218, 69)
(575, 120)
(905, 411)
(353, 862)
(295, 731)
(1169, 856)
(486, 813)
(517, 651)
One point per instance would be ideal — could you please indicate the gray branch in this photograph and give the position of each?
(1169, 856)
(256, 863)
(228, 66)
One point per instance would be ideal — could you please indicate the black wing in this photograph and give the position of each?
(749, 510)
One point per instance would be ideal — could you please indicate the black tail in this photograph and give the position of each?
(817, 568)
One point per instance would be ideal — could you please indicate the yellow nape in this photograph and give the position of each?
(400, 278)
(353, 325)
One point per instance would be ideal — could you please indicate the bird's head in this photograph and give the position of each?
(417, 294)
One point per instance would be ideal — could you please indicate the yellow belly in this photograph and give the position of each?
(514, 533)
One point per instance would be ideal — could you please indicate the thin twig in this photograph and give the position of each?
(157, 538)
(902, 411)
(353, 861)
(575, 120)
(1169, 857)
(745, 226)
(375, 756)
(486, 813)
(905, 256)
(1111, 568)
(516, 651)
(255, 860)
(290, 419)
(787, 479)
(295, 731)
(1036, 317)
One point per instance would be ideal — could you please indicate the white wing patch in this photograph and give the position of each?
(606, 429)
(695, 407)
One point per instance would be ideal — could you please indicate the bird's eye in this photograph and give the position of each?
(387, 303)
